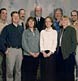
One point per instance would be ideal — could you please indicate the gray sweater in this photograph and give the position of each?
(30, 41)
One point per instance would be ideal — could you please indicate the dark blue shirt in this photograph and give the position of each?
(2, 47)
(12, 36)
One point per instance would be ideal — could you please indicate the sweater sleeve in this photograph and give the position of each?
(74, 40)
(3, 39)
(41, 41)
(24, 42)
(54, 46)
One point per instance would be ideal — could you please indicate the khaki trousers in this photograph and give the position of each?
(13, 64)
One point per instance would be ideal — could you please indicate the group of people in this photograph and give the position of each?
(44, 47)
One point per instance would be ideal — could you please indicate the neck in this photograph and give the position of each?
(15, 24)
(65, 26)
(58, 20)
(32, 29)
(48, 28)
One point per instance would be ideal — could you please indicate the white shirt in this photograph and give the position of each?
(61, 38)
(48, 40)
(38, 18)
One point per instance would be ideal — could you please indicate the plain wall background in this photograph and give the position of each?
(47, 5)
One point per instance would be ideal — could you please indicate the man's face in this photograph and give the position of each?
(15, 18)
(58, 14)
(3, 15)
(74, 16)
(38, 12)
(22, 15)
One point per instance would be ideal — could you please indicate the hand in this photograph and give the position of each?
(6, 52)
(34, 54)
(49, 54)
(22, 57)
(31, 53)
(44, 54)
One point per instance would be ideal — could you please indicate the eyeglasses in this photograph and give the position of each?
(73, 15)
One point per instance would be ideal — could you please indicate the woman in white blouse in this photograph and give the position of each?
(48, 44)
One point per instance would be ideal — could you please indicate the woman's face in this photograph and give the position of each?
(31, 23)
(48, 22)
(64, 21)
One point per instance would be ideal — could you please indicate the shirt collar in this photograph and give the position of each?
(38, 18)
(16, 25)
(50, 29)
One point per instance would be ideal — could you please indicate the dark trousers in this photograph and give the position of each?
(29, 68)
(65, 67)
(48, 68)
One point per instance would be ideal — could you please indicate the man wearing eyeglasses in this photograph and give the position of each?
(74, 16)
(74, 21)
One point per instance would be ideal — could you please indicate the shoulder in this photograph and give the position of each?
(42, 18)
(26, 30)
(71, 28)
(54, 30)
(7, 27)
(43, 31)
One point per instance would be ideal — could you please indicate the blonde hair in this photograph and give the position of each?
(69, 23)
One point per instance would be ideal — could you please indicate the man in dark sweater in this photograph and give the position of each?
(12, 38)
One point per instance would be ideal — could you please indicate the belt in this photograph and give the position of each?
(17, 47)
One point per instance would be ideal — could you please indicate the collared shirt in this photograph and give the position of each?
(38, 18)
(61, 37)
(30, 41)
(48, 40)
(56, 26)
(22, 23)
(12, 36)
(39, 24)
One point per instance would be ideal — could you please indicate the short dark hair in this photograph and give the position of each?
(13, 12)
(2, 9)
(74, 11)
(20, 10)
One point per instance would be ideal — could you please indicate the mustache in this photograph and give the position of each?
(23, 16)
